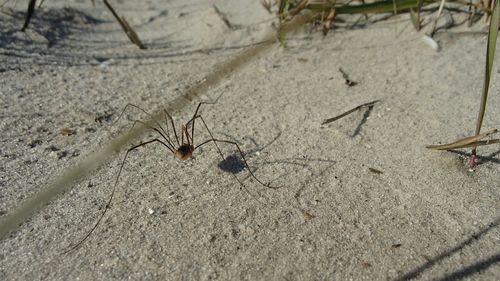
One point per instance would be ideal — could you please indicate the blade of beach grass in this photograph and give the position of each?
(68, 177)
(302, 4)
(419, 10)
(132, 36)
(472, 144)
(282, 12)
(414, 20)
(487, 11)
(490, 54)
(368, 104)
(415, 16)
(467, 142)
(283, 8)
(438, 14)
(385, 6)
(29, 14)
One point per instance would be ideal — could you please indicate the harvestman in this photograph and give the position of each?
(182, 150)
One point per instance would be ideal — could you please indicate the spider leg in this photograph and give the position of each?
(170, 143)
(235, 177)
(167, 115)
(185, 132)
(112, 194)
(144, 111)
(195, 116)
(215, 141)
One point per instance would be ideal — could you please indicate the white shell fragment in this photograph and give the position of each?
(431, 43)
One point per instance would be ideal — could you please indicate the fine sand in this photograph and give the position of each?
(361, 198)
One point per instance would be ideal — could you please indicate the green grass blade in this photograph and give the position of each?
(490, 54)
(385, 6)
(414, 19)
(283, 9)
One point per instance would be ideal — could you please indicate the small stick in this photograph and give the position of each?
(348, 81)
(368, 104)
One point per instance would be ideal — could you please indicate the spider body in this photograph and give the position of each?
(184, 152)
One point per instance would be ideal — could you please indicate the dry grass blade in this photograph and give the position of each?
(301, 6)
(29, 14)
(419, 10)
(125, 26)
(468, 142)
(328, 21)
(439, 12)
(368, 104)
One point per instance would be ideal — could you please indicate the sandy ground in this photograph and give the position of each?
(424, 217)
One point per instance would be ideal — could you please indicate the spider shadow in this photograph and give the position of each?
(234, 164)
(467, 270)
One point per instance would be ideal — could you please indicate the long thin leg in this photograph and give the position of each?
(184, 132)
(112, 195)
(195, 116)
(173, 125)
(149, 115)
(235, 177)
(170, 145)
(193, 119)
(237, 146)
